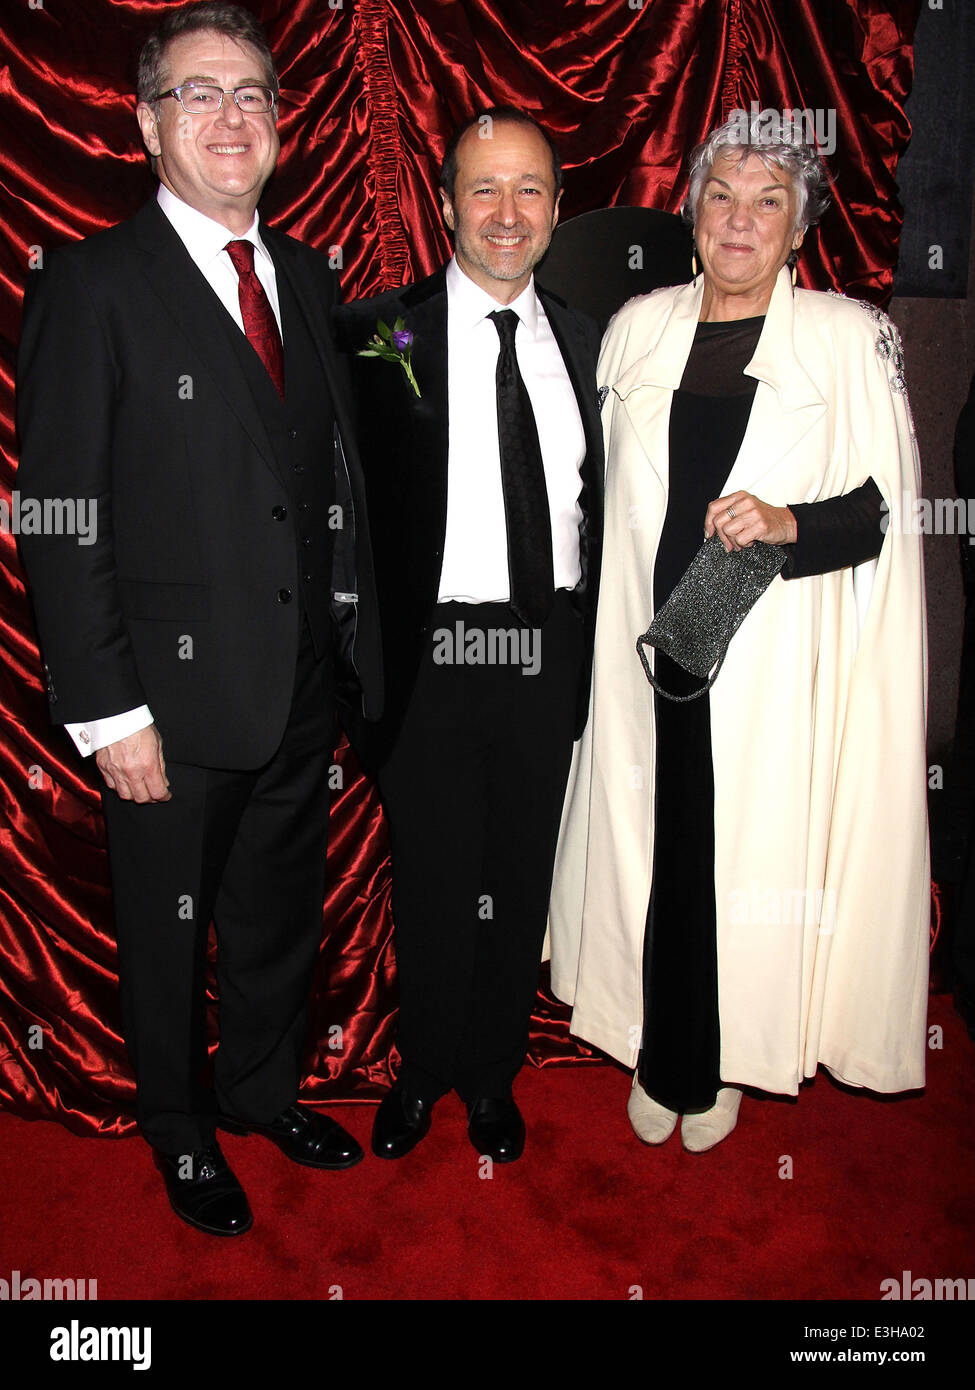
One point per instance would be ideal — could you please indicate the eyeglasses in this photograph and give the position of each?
(201, 100)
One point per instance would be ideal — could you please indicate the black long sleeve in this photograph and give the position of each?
(832, 534)
(837, 532)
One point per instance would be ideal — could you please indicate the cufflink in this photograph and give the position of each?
(50, 685)
(84, 736)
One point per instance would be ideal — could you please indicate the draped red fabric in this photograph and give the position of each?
(370, 91)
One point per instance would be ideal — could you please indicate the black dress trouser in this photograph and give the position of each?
(246, 848)
(473, 797)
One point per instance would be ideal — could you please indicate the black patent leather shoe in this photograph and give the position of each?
(401, 1122)
(496, 1129)
(203, 1190)
(306, 1137)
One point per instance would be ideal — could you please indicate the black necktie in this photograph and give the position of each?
(527, 516)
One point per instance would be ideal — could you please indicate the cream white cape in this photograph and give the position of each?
(822, 885)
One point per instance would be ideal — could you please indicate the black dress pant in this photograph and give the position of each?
(247, 849)
(473, 797)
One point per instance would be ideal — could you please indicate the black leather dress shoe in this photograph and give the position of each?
(496, 1129)
(203, 1191)
(308, 1138)
(401, 1122)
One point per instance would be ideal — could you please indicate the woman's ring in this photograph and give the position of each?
(731, 513)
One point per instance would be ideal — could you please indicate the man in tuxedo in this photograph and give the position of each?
(178, 369)
(485, 500)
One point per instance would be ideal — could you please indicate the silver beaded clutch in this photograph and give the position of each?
(707, 607)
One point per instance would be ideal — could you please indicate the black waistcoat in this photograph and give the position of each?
(301, 429)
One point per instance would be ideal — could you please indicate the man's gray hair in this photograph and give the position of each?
(779, 144)
(211, 18)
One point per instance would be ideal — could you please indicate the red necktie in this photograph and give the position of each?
(260, 325)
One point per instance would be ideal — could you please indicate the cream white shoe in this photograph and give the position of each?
(653, 1123)
(701, 1130)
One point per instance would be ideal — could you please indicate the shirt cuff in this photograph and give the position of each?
(99, 733)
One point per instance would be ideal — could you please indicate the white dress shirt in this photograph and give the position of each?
(475, 558)
(206, 242)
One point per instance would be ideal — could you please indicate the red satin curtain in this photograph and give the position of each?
(370, 91)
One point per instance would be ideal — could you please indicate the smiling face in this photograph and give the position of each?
(217, 163)
(744, 229)
(504, 207)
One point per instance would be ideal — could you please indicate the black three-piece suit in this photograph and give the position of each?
(206, 596)
(472, 760)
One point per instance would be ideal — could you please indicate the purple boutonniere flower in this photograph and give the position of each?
(393, 345)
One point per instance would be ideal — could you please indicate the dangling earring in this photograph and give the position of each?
(795, 272)
(694, 262)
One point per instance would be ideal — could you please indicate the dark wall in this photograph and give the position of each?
(934, 309)
(935, 175)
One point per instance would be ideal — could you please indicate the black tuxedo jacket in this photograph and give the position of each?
(403, 445)
(131, 392)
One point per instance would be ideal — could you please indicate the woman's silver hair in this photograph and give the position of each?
(779, 142)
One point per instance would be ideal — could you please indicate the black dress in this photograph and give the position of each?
(680, 1048)
(679, 1055)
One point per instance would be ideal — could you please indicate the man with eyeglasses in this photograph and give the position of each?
(179, 370)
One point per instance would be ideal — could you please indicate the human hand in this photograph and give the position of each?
(134, 766)
(741, 519)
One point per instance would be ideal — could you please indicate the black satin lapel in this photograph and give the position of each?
(428, 324)
(288, 261)
(577, 354)
(196, 310)
(424, 313)
(429, 413)
(579, 363)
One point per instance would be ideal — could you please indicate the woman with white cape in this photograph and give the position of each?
(742, 885)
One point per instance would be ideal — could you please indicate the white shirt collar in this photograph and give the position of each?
(469, 304)
(204, 238)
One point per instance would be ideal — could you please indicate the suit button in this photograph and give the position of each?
(306, 540)
(284, 596)
(302, 506)
(279, 513)
(300, 468)
(292, 434)
(307, 578)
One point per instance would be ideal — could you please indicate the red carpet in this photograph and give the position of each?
(878, 1187)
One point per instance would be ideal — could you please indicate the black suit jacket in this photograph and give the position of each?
(403, 445)
(130, 392)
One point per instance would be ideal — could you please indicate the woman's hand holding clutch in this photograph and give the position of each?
(741, 519)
